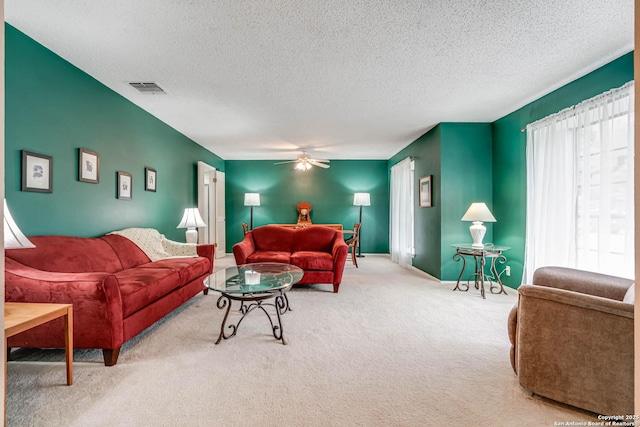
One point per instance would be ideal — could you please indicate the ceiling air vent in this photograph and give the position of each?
(148, 88)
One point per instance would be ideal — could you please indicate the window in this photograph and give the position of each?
(580, 187)
(401, 213)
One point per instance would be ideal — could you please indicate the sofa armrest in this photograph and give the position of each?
(578, 300)
(96, 299)
(575, 348)
(244, 248)
(512, 326)
(585, 282)
(339, 252)
(206, 250)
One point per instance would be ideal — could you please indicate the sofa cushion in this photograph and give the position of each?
(318, 239)
(311, 260)
(66, 254)
(273, 238)
(140, 286)
(129, 253)
(269, 256)
(188, 268)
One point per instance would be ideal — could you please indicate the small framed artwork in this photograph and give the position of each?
(424, 187)
(151, 179)
(88, 166)
(37, 172)
(125, 186)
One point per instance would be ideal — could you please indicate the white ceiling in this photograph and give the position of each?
(341, 79)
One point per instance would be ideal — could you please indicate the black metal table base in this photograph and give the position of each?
(249, 303)
(479, 276)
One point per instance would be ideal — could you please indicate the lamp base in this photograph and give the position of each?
(477, 231)
(192, 235)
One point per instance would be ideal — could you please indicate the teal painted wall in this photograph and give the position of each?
(329, 191)
(54, 108)
(426, 152)
(458, 156)
(466, 178)
(509, 163)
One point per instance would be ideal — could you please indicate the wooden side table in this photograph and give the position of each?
(21, 316)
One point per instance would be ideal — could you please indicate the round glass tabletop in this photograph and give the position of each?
(254, 278)
(486, 247)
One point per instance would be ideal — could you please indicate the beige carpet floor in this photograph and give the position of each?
(392, 348)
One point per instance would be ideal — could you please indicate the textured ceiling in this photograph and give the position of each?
(341, 79)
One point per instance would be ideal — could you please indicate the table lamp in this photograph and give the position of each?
(13, 236)
(478, 213)
(191, 220)
(361, 199)
(251, 199)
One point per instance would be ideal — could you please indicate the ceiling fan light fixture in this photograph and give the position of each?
(303, 165)
(304, 162)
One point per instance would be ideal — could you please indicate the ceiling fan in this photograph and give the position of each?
(305, 162)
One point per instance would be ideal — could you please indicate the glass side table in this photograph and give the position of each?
(479, 276)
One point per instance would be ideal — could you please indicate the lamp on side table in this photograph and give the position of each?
(191, 220)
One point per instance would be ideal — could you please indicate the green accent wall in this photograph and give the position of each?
(54, 108)
(426, 152)
(509, 148)
(458, 156)
(329, 191)
(466, 178)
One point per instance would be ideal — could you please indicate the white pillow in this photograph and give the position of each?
(630, 296)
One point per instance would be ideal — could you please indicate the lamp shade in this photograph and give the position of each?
(361, 199)
(478, 212)
(252, 199)
(13, 237)
(191, 218)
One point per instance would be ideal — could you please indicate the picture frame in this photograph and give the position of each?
(150, 179)
(424, 189)
(37, 172)
(125, 185)
(88, 166)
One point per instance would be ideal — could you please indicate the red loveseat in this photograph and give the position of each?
(115, 289)
(320, 251)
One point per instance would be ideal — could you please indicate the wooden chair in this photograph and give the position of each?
(352, 243)
(245, 227)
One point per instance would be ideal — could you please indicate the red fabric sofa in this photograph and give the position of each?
(320, 251)
(115, 289)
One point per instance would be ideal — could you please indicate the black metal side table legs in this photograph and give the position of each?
(256, 301)
(479, 276)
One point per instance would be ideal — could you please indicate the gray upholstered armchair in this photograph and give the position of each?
(572, 339)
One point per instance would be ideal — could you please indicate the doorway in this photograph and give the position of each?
(211, 199)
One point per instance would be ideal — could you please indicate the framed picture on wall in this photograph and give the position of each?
(37, 172)
(150, 179)
(424, 187)
(125, 186)
(88, 166)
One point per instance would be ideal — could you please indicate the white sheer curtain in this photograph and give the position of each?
(401, 215)
(580, 187)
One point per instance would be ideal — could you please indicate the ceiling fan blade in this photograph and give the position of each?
(287, 161)
(320, 165)
(319, 160)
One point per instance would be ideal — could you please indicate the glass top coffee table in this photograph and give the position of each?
(253, 285)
